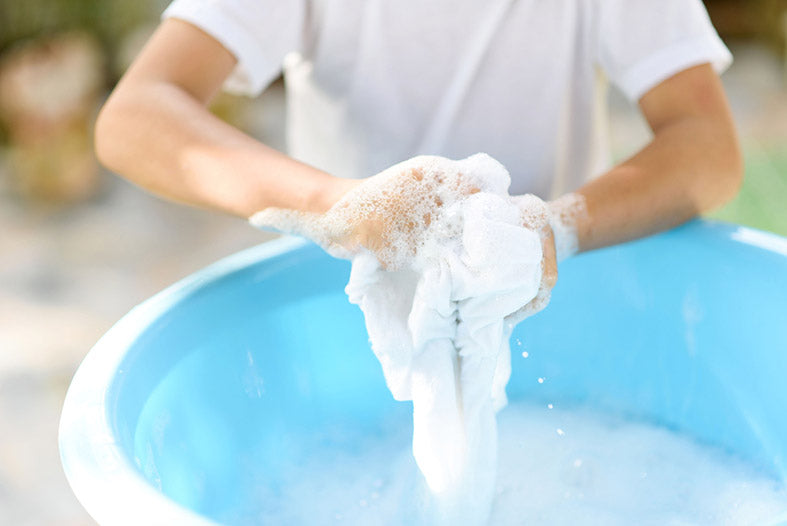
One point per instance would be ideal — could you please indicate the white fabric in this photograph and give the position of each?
(365, 78)
(440, 328)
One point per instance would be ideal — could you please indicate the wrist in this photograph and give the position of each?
(306, 190)
(565, 215)
(328, 192)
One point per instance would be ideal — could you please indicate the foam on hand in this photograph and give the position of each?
(565, 212)
(388, 214)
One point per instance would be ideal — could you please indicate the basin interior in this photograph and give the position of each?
(259, 368)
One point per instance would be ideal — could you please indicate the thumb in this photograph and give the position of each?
(534, 211)
(310, 225)
(287, 221)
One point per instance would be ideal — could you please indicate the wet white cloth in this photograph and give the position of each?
(440, 327)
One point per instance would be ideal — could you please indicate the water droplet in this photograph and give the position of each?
(525, 354)
(550, 406)
(560, 431)
(541, 380)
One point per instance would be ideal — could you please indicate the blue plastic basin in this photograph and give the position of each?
(225, 378)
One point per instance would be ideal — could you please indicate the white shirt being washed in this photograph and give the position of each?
(373, 82)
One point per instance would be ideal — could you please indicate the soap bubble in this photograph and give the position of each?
(565, 213)
(388, 214)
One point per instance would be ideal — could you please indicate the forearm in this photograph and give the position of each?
(691, 166)
(163, 139)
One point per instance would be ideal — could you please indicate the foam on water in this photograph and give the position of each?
(579, 467)
(556, 466)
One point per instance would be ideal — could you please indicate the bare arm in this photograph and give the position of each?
(692, 165)
(156, 131)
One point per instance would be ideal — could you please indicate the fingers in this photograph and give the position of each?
(535, 305)
(287, 221)
(565, 214)
(538, 303)
(534, 211)
(548, 278)
(548, 272)
(549, 261)
(310, 225)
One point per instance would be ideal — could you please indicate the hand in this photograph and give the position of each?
(548, 274)
(386, 214)
(536, 216)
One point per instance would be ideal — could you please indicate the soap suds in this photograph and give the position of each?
(438, 325)
(388, 214)
(445, 263)
(603, 470)
(565, 213)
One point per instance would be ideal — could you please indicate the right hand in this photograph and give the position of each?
(386, 214)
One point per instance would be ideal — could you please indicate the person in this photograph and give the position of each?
(370, 83)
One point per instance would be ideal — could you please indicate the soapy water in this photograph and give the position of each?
(556, 466)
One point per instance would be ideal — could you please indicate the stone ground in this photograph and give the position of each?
(67, 275)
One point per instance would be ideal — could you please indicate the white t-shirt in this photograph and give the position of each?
(373, 82)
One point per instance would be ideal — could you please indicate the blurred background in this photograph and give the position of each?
(79, 247)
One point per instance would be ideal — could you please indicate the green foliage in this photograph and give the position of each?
(762, 201)
(107, 20)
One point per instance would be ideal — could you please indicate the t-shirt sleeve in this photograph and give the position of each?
(259, 33)
(643, 42)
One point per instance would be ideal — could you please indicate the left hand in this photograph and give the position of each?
(535, 216)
